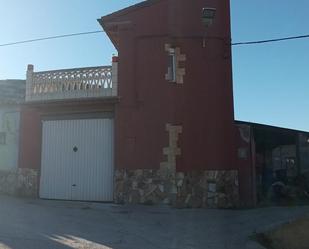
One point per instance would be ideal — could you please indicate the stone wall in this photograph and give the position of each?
(20, 182)
(209, 189)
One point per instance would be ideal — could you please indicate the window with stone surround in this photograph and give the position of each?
(171, 71)
(176, 66)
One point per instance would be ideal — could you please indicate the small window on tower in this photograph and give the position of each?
(171, 73)
(2, 138)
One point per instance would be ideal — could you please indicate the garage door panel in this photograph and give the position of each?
(55, 171)
(82, 174)
(95, 178)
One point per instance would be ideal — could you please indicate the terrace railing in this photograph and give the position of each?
(77, 83)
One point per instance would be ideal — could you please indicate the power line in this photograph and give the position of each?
(270, 40)
(101, 31)
(51, 38)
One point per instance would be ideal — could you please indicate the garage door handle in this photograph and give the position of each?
(74, 185)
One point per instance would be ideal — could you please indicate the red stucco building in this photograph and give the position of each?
(172, 110)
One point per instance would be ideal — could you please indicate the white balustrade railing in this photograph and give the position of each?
(91, 82)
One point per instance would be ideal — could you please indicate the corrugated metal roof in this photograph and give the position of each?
(269, 127)
(12, 91)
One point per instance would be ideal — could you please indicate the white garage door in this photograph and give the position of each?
(77, 160)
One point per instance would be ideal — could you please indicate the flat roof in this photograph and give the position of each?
(269, 127)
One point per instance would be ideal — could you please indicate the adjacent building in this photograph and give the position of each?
(12, 96)
(268, 154)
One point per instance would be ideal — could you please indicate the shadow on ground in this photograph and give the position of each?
(62, 225)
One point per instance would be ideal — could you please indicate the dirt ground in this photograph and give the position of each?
(293, 235)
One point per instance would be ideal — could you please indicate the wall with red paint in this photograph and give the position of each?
(203, 105)
(30, 139)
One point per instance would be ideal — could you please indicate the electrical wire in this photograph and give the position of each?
(101, 31)
(270, 40)
(50, 38)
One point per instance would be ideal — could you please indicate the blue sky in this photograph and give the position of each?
(271, 82)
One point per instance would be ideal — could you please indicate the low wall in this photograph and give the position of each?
(20, 182)
(196, 189)
(209, 189)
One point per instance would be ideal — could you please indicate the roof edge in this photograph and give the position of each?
(269, 126)
(120, 13)
(131, 8)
